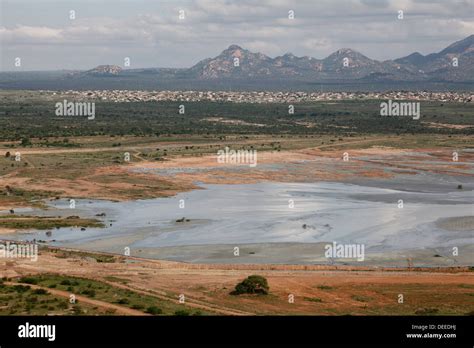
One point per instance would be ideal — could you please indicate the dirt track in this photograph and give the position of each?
(82, 299)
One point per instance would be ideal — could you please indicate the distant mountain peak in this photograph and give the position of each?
(460, 46)
(104, 70)
(415, 54)
(441, 65)
(345, 51)
(234, 47)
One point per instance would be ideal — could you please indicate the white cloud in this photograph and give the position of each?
(29, 34)
(264, 47)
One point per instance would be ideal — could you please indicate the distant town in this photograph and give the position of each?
(120, 96)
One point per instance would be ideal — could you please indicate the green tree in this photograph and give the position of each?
(25, 141)
(253, 284)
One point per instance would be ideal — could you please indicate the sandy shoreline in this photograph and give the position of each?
(298, 254)
(7, 230)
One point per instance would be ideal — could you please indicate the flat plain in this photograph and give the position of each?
(74, 158)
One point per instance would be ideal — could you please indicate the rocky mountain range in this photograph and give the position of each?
(454, 63)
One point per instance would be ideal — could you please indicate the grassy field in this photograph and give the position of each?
(103, 292)
(23, 300)
(22, 222)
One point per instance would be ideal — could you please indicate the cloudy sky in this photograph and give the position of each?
(151, 33)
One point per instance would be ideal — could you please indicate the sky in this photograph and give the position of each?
(151, 34)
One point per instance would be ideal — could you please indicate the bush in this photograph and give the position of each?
(154, 310)
(40, 292)
(25, 141)
(89, 292)
(426, 311)
(21, 288)
(313, 299)
(28, 280)
(63, 304)
(253, 284)
(77, 310)
(181, 313)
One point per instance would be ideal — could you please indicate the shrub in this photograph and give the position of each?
(361, 298)
(40, 292)
(154, 310)
(28, 280)
(426, 311)
(21, 288)
(182, 313)
(89, 292)
(313, 299)
(77, 310)
(25, 141)
(253, 284)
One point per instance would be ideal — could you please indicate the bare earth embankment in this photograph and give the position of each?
(317, 290)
